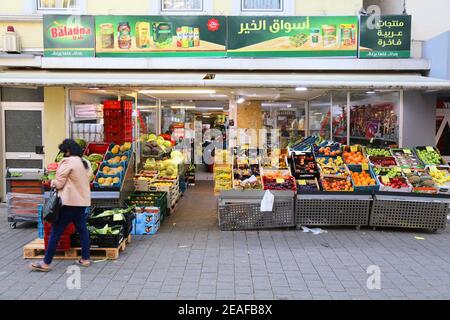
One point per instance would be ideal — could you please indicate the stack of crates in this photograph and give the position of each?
(64, 241)
(118, 121)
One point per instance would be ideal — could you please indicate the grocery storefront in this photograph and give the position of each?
(277, 117)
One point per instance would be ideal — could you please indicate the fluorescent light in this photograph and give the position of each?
(370, 92)
(210, 108)
(240, 100)
(202, 91)
(276, 105)
(94, 88)
(301, 89)
(182, 107)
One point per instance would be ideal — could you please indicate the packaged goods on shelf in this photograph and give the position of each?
(88, 111)
(407, 158)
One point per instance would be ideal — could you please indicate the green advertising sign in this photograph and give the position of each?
(385, 37)
(301, 36)
(160, 36)
(69, 36)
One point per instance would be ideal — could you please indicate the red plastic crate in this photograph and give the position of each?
(111, 104)
(63, 243)
(99, 148)
(48, 227)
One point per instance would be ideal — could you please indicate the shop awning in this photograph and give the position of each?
(249, 79)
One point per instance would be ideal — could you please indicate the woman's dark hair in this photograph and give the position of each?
(69, 145)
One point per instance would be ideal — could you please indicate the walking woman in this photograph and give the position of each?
(73, 184)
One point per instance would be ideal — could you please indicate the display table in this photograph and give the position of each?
(410, 210)
(240, 210)
(332, 209)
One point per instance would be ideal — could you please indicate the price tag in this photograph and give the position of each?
(118, 217)
(385, 179)
(407, 151)
(365, 166)
(302, 182)
(353, 148)
(430, 149)
(279, 180)
(407, 170)
(371, 140)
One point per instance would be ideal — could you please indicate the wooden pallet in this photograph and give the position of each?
(36, 250)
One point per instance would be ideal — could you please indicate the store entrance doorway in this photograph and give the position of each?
(22, 137)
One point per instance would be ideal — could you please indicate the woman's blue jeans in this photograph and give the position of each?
(69, 214)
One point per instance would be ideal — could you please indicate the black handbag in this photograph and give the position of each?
(52, 207)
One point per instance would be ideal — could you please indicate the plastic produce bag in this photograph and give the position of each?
(267, 201)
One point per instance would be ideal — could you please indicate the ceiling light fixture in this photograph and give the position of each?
(240, 100)
(182, 107)
(177, 91)
(301, 89)
(370, 92)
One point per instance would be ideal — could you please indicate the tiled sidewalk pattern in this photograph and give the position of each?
(191, 259)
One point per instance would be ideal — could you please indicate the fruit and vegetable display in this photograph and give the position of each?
(112, 170)
(362, 179)
(223, 177)
(168, 167)
(337, 184)
(279, 181)
(332, 162)
(329, 151)
(377, 152)
(304, 165)
(440, 175)
(310, 185)
(306, 144)
(383, 161)
(398, 184)
(246, 176)
(406, 158)
(420, 180)
(429, 156)
(157, 146)
(353, 156)
(391, 172)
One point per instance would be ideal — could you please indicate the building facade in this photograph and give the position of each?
(32, 83)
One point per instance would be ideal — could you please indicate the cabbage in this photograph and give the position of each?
(176, 154)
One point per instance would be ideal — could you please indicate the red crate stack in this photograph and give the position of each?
(64, 241)
(118, 121)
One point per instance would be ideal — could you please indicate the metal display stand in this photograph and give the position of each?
(410, 211)
(332, 209)
(240, 210)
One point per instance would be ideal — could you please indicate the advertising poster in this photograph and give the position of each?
(69, 36)
(300, 36)
(160, 36)
(385, 37)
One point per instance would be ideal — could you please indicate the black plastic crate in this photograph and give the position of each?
(99, 222)
(100, 241)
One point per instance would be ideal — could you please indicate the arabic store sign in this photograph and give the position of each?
(299, 36)
(388, 37)
(160, 36)
(69, 36)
